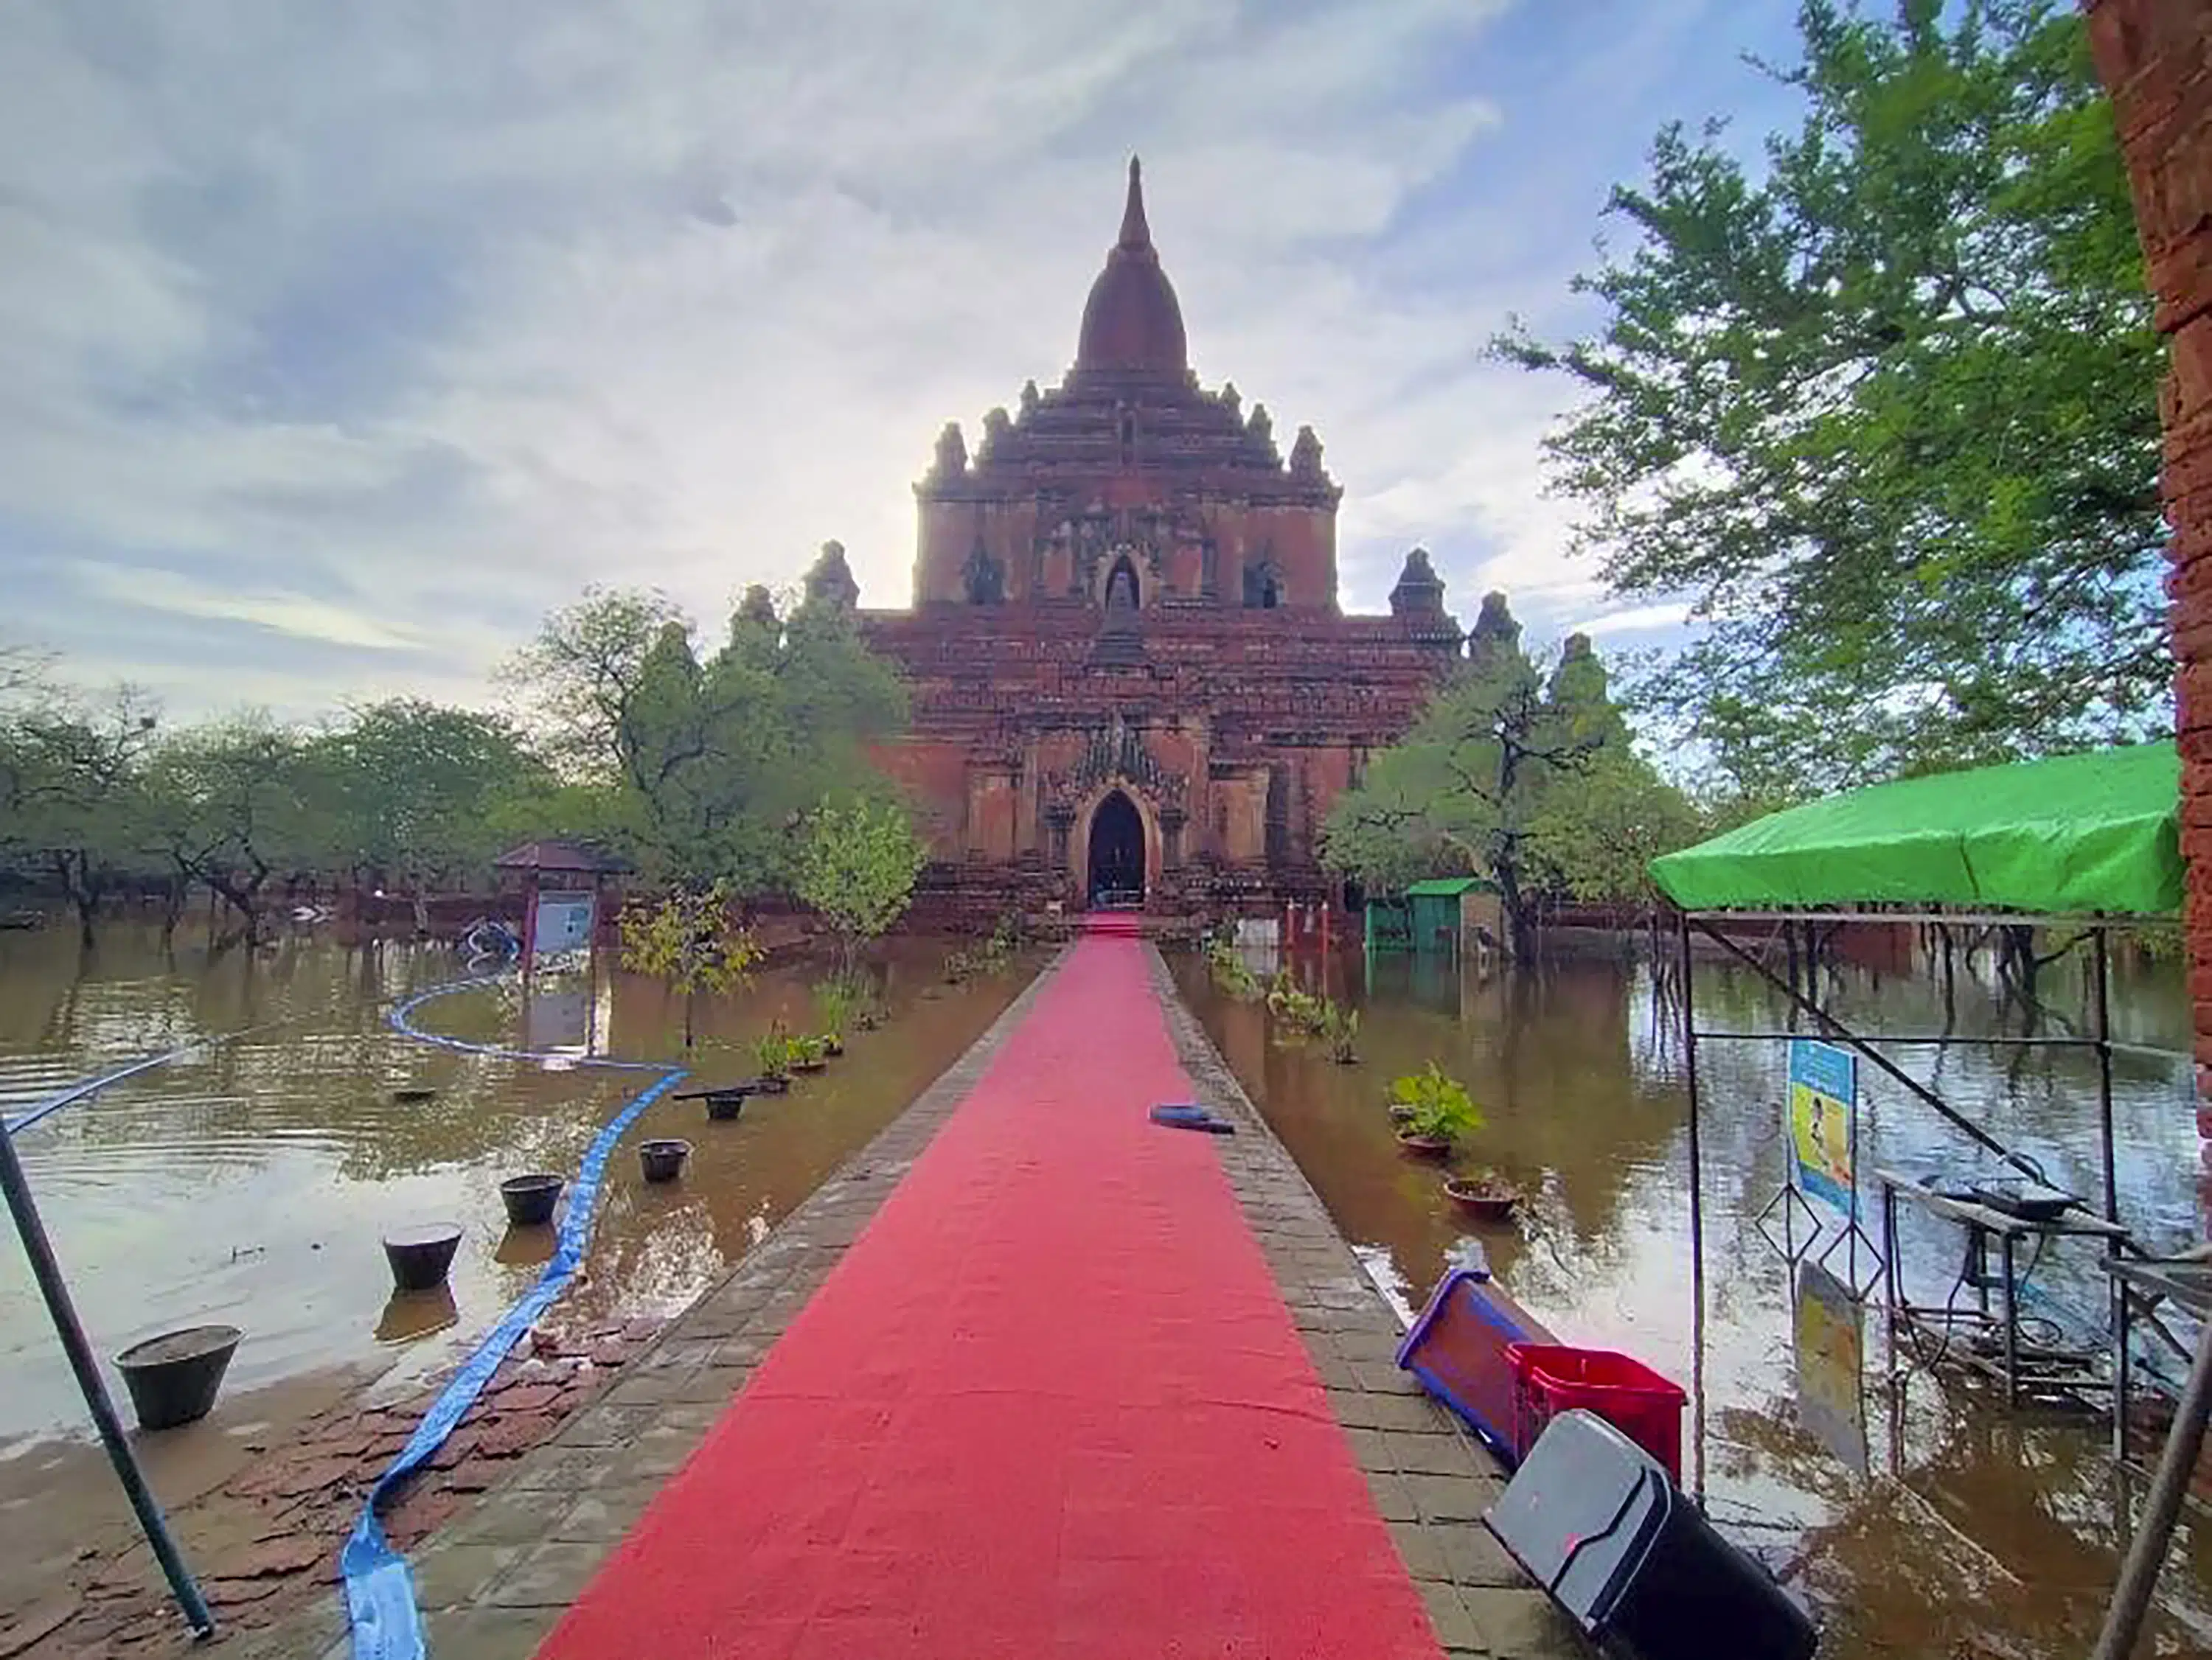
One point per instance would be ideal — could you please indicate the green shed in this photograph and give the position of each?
(1436, 914)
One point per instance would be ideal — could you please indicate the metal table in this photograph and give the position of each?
(2074, 1371)
(2139, 1284)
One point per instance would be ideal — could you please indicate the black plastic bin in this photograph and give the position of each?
(1593, 1519)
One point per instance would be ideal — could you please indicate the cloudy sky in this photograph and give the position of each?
(339, 342)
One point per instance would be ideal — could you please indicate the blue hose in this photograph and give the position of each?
(379, 1591)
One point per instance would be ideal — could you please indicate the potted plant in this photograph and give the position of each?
(834, 1004)
(1442, 1111)
(1483, 1194)
(806, 1054)
(1340, 1030)
(772, 1054)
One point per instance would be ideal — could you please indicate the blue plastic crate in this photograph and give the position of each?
(1458, 1349)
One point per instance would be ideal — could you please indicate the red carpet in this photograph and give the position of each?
(1050, 1404)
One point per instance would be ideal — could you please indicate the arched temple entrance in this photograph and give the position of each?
(1116, 862)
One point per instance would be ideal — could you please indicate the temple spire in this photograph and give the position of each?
(1135, 234)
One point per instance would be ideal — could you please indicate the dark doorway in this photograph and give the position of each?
(1117, 854)
(1121, 592)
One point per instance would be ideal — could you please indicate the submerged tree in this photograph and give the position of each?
(1884, 408)
(72, 802)
(690, 942)
(233, 803)
(422, 793)
(1459, 793)
(857, 867)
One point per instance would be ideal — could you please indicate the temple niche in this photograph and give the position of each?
(1133, 681)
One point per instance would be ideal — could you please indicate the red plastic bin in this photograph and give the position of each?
(1549, 1378)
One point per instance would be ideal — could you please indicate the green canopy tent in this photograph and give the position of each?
(2088, 838)
(2074, 835)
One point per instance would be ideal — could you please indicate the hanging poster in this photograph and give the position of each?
(1831, 1400)
(1823, 1102)
(564, 924)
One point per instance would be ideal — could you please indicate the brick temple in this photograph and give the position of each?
(1132, 681)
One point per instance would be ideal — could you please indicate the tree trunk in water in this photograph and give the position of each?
(1519, 927)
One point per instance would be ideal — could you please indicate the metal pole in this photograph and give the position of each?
(1697, 1220)
(2147, 1551)
(48, 1272)
(2101, 977)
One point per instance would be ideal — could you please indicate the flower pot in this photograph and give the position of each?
(832, 1046)
(778, 1085)
(808, 1066)
(529, 1199)
(1484, 1201)
(172, 1378)
(413, 1095)
(723, 1105)
(1423, 1147)
(662, 1159)
(1346, 1060)
(420, 1256)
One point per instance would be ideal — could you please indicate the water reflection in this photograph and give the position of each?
(1965, 1528)
(253, 1182)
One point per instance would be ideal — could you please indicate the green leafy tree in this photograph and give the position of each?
(1459, 794)
(706, 768)
(71, 776)
(1882, 408)
(690, 942)
(231, 803)
(857, 867)
(1595, 838)
(420, 791)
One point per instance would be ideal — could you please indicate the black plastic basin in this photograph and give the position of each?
(173, 1378)
(420, 1256)
(529, 1199)
(663, 1160)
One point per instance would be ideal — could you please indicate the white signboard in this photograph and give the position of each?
(563, 925)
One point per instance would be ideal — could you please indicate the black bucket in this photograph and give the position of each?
(723, 1105)
(420, 1256)
(662, 1160)
(173, 1378)
(529, 1199)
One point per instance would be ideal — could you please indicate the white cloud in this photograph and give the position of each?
(295, 616)
(1637, 620)
(390, 334)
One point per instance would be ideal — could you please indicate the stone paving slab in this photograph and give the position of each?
(1431, 1481)
(492, 1585)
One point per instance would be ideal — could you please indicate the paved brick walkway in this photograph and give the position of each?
(495, 1583)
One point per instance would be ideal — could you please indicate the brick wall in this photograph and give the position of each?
(2155, 58)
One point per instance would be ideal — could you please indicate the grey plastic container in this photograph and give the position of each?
(1593, 1519)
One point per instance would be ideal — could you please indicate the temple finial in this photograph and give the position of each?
(1135, 234)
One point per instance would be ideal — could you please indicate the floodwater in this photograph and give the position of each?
(1922, 1519)
(252, 1182)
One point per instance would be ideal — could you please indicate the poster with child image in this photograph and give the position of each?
(1823, 1101)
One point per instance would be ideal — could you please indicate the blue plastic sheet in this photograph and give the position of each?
(380, 1591)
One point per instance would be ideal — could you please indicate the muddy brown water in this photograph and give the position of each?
(251, 1183)
(1928, 1520)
